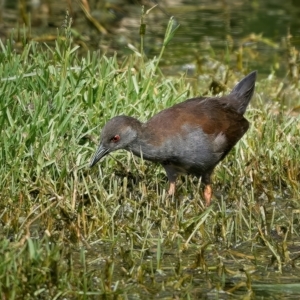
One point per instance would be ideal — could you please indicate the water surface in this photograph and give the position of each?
(245, 35)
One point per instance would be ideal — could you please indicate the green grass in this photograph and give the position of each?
(70, 232)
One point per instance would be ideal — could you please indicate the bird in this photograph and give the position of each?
(190, 137)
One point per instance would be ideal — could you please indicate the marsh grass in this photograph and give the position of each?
(70, 232)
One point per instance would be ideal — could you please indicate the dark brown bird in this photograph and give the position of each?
(191, 137)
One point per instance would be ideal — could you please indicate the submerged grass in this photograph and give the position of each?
(68, 232)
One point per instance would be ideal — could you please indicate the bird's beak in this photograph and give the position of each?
(101, 151)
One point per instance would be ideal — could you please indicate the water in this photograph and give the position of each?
(243, 34)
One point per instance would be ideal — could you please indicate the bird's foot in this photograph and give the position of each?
(207, 194)
(171, 191)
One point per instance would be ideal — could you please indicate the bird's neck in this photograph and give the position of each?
(140, 150)
(141, 147)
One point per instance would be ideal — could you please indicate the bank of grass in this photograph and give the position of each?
(68, 232)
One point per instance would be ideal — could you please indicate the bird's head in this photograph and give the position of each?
(118, 133)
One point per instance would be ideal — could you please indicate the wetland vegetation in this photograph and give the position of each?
(111, 232)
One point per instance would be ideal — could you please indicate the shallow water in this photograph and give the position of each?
(234, 273)
(229, 31)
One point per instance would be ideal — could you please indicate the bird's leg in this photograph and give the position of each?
(172, 175)
(207, 194)
(171, 188)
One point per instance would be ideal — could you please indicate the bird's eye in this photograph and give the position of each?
(115, 138)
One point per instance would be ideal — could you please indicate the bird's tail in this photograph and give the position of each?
(243, 92)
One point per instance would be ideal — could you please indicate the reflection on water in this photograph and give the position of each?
(254, 31)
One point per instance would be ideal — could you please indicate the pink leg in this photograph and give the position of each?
(172, 174)
(172, 188)
(207, 194)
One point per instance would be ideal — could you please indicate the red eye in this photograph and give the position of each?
(115, 139)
